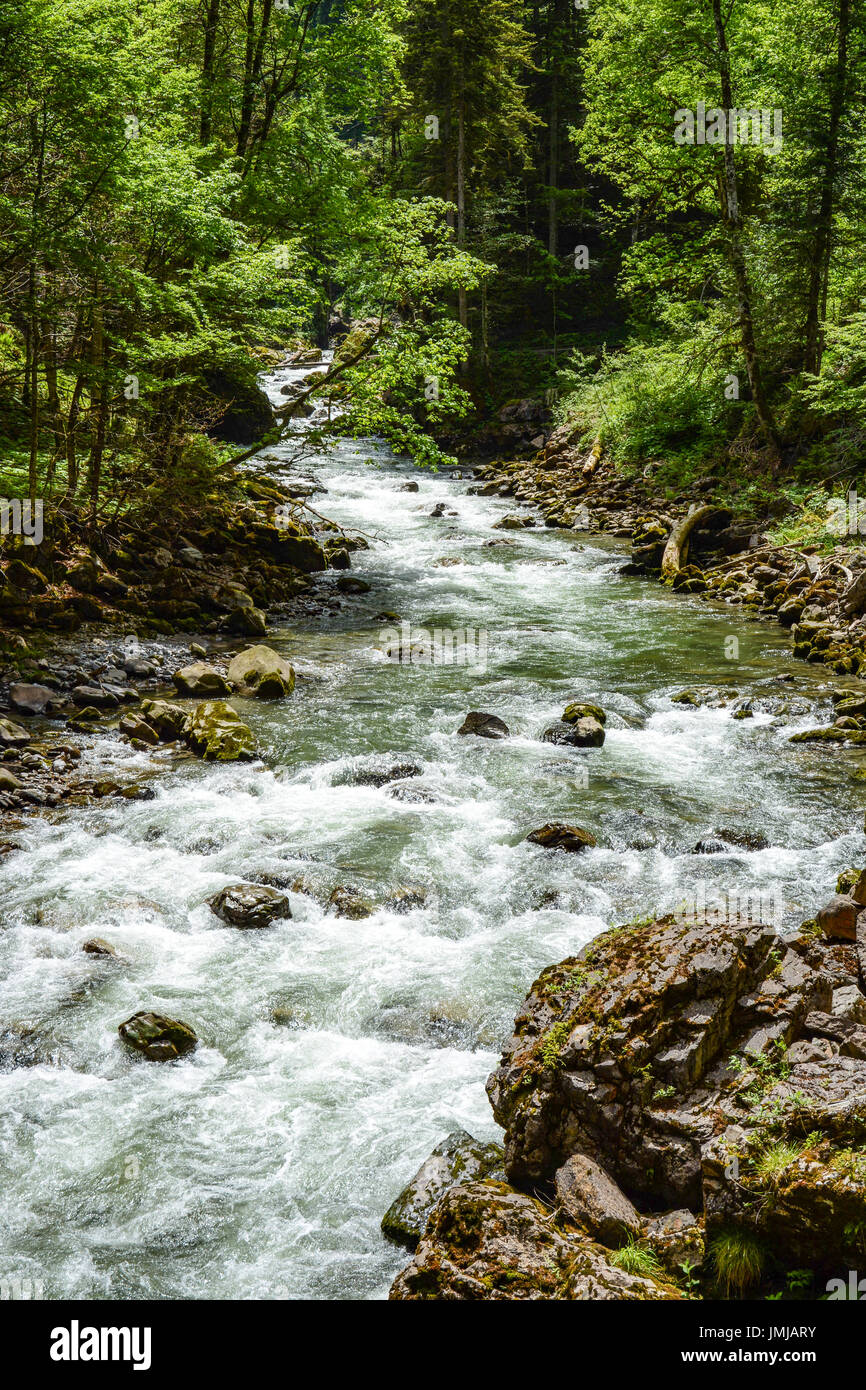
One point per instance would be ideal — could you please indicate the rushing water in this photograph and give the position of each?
(260, 1167)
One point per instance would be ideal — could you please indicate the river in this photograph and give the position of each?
(260, 1167)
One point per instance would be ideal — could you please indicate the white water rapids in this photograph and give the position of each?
(260, 1167)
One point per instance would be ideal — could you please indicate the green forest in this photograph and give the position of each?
(503, 195)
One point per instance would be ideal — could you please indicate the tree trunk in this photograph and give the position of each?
(677, 549)
(733, 223)
(100, 381)
(461, 195)
(207, 72)
(819, 271)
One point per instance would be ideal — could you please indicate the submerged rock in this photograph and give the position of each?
(158, 1038)
(457, 1159)
(585, 732)
(484, 725)
(556, 835)
(262, 672)
(347, 902)
(249, 905)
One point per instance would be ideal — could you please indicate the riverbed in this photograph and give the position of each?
(260, 1167)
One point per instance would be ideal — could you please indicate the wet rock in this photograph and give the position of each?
(156, 1037)
(380, 773)
(592, 1200)
(579, 709)
(585, 732)
(556, 835)
(168, 720)
(96, 946)
(94, 696)
(134, 727)
(12, 735)
(347, 902)
(216, 732)
(262, 672)
(351, 584)
(32, 699)
(676, 1238)
(408, 487)
(709, 846)
(249, 905)
(406, 898)
(512, 522)
(484, 725)
(405, 791)
(200, 680)
(247, 622)
(743, 839)
(457, 1159)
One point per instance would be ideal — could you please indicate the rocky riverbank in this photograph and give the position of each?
(700, 548)
(684, 1116)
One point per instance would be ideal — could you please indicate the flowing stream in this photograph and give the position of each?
(260, 1167)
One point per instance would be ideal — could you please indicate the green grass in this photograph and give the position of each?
(772, 1162)
(636, 1258)
(738, 1259)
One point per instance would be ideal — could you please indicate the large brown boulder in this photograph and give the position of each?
(262, 672)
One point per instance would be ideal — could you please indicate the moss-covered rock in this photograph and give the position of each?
(458, 1159)
(216, 732)
(262, 672)
(156, 1037)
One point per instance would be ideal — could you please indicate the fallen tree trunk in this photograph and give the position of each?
(677, 548)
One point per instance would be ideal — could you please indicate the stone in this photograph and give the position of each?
(156, 1037)
(249, 905)
(134, 727)
(200, 680)
(592, 1200)
(12, 735)
(484, 725)
(247, 622)
(32, 699)
(216, 732)
(381, 772)
(556, 835)
(168, 720)
(458, 1158)
(347, 902)
(96, 946)
(262, 672)
(8, 781)
(838, 918)
(406, 898)
(585, 732)
(583, 710)
(94, 695)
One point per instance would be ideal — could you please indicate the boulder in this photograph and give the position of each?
(592, 1200)
(32, 699)
(216, 732)
(486, 1241)
(838, 918)
(200, 680)
(168, 720)
(12, 735)
(247, 622)
(585, 732)
(381, 772)
(249, 905)
(347, 902)
(156, 1037)
(137, 728)
(582, 710)
(8, 781)
(556, 835)
(457, 1159)
(483, 725)
(262, 672)
(96, 946)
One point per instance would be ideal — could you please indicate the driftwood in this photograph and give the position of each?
(677, 548)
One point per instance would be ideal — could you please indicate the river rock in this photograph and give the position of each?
(156, 1037)
(486, 1241)
(484, 725)
(249, 905)
(347, 902)
(247, 622)
(581, 733)
(592, 1200)
(459, 1158)
(134, 727)
(8, 781)
(262, 672)
(12, 735)
(200, 680)
(96, 946)
(216, 732)
(556, 835)
(583, 710)
(381, 772)
(32, 699)
(168, 720)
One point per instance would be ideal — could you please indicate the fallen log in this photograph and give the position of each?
(677, 549)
